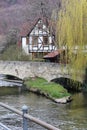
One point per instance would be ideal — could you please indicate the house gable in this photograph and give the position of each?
(38, 38)
(40, 29)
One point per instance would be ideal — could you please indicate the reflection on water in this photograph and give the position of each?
(77, 112)
(10, 80)
(72, 116)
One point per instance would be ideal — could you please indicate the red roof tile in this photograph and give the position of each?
(28, 26)
(53, 54)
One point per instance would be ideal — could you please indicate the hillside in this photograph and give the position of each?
(13, 13)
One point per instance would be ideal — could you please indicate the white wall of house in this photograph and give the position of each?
(44, 31)
(40, 39)
(40, 46)
(25, 45)
(50, 39)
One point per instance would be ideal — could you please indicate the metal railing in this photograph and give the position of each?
(26, 116)
(3, 127)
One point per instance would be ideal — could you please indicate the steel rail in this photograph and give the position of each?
(34, 119)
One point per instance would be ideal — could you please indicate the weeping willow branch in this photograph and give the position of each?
(72, 32)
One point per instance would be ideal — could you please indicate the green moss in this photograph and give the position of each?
(52, 89)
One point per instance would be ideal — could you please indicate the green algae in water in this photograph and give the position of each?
(9, 90)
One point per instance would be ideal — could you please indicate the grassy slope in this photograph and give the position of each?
(53, 89)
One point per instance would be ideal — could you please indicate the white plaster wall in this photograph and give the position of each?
(44, 27)
(30, 40)
(50, 39)
(24, 45)
(40, 39)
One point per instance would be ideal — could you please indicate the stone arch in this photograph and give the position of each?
(69, 84)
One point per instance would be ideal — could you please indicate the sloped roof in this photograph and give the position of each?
(27, 27)
(53, 54)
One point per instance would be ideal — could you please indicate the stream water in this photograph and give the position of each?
(71, 116)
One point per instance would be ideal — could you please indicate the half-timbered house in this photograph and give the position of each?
(38, 39)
